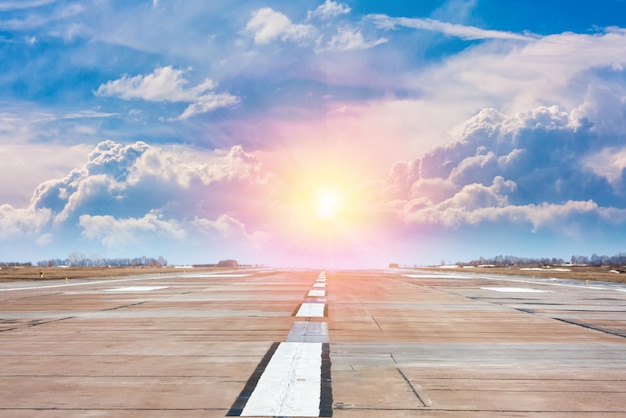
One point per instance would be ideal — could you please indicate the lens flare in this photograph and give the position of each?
(328, 203)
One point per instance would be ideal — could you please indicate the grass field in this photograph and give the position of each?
(576, 272)
(52, 273)
(8, 274)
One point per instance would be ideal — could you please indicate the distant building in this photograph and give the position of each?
(228, 263)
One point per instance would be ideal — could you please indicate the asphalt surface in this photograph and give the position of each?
(305, 343)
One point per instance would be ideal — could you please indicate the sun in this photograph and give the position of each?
(327, 202)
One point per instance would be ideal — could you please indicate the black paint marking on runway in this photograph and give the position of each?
(242, 399)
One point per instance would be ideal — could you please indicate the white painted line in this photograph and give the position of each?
(290, 384)
(437, 276)
(501, 279)
(84, 283)
(311, 310)
(209, 275)
(317, 293)
(136, 289)
(513, 289)
(308, 332)
(319, 284)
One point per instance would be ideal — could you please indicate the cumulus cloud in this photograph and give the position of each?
(137, 178)
(329, 9)
(609, 163)
(167, 84)
(125, 194)
(122, 233)
(543, 167)
(268, 25)
(16, 222)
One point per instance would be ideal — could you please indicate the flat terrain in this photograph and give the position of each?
(9, 274)
(392, 344)
(575, 273)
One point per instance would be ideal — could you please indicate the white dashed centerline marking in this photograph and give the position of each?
(290, 384)
(311, 310)
(317, 293)
(513, 289)
(136, 289)
(294, 377)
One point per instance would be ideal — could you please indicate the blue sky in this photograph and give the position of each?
(314, 132)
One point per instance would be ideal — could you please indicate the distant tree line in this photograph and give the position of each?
(509, 260)
(80, 260)
(15, 264)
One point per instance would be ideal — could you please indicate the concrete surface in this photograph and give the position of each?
(428, 345)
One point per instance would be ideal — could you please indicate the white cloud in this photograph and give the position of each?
(350, 39)
(329, 9)
(543, 167)
(8, 5)
(556, 216)
(81, 114)
(226, 225)
(449, 29)
(208, 103)
(554, 70)
(165, 167)
(609, 163)
(136, 193)
(167, 84)
(121, 179)
(14, 222)
(88, 189)
(125, 232)
(227, 229)
(34, 21)
(267, 25)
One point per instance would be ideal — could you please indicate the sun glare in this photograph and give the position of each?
(327, 203)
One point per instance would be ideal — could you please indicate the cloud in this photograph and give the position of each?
(167, 84)
(555, 70)
(38, 20)
(543, 167)
(23, 4)
(268, 25)
(81, 114)
(329, 9)
(231, 229)
(126, 232)
(351, 39)
(15, 222)
(609, 163)
(449, 29)
(126, 194)
(135, 179)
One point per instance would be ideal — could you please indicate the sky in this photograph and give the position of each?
(322, 134)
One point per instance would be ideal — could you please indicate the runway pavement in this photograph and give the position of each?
(312, 343)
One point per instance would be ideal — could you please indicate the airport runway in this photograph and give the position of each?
(312, 343)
